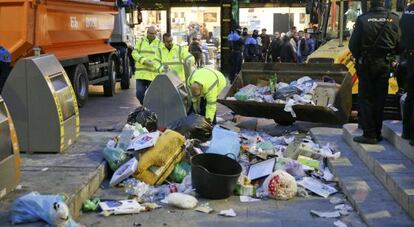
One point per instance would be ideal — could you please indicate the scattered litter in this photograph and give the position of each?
(261, 169)
(150, 206)
(44, 169)
(181, 200)
(228, 213)
(317, 187)
(145, 117)
(343, 207)
(124, 172)
(19, 187)
(204, 208)
(137, 224)
(302, 192)
(336, 200)
(144, 141)
(114, 207)
(280, 185)
(91, 205)
(339, 223)
(34, 207)
(327, 175)
(247, 199)
(136, 187)
(326, 214)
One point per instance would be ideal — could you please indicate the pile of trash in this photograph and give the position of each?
(304, 91)
(155, 168)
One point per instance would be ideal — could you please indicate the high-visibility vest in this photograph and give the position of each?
(144, 50)
(175, 58)
(213, 83)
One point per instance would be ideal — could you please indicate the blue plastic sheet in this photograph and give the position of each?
(225, 142)
(34, 207)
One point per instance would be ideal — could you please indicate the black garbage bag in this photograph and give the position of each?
(145, 117)
(193, 126)
(286, 92)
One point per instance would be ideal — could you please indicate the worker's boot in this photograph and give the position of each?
(367, 140)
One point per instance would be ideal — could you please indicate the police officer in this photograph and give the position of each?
(146, 67)
(236, 44)
(407, 43)
(174, 57)
(5, 66)
(205, 85)
(375, 38)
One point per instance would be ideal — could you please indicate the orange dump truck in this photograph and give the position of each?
(77, 32)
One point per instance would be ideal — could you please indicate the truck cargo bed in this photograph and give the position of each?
(287, 72)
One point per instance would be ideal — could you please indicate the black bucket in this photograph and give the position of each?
(214, 176)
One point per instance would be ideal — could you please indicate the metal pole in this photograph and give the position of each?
(341, 23)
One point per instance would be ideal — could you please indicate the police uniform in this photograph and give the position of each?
(236, 56)
(375, 38)
(145, 51)
(213, 83)
(175, 59)
(5, 66)
(407, 38)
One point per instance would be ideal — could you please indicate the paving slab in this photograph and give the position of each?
(77, 173)
(393, 169)
(364, 190)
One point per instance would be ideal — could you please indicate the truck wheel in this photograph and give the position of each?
(109, 85)
(80, 82)
(126, 74)
(284, 122)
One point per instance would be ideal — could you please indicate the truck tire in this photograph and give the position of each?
(109, 85)
(80, 82)
(126, 74)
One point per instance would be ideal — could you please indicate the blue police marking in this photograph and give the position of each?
(4, 55)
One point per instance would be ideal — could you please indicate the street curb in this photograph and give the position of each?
(368, 196)
(389, 165)
(76, 200)
(392, 130)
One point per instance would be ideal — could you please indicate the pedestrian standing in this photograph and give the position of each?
(196, 51)
(311, 41)
(144, 55)
(236, 44)
(252, 48)
(275, 47)
(374, 40)
(287, 53)
(265, 44)
(302, 48)
(407, 43)
(5, 66)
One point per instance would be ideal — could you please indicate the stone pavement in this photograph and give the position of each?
(275, 213)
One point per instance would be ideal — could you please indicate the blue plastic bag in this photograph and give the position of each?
(225, 142)
(34, 207)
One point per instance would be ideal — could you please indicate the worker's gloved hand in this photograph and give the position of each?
(157, 163)
(148, 63)
(165, 68)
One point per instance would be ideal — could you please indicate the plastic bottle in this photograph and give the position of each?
(125, 137)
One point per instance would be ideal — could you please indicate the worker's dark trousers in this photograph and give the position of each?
(408, 110)
(142, 86)
(4, 73)
(373, 77)
(236, 60)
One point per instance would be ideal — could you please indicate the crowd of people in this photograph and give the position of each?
(292, 47)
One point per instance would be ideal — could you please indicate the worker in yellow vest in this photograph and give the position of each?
(174, 57)
(205, 86)
(146, 66)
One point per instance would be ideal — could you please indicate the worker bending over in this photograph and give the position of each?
(174, 57)
(144, 54)
(205, 86)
